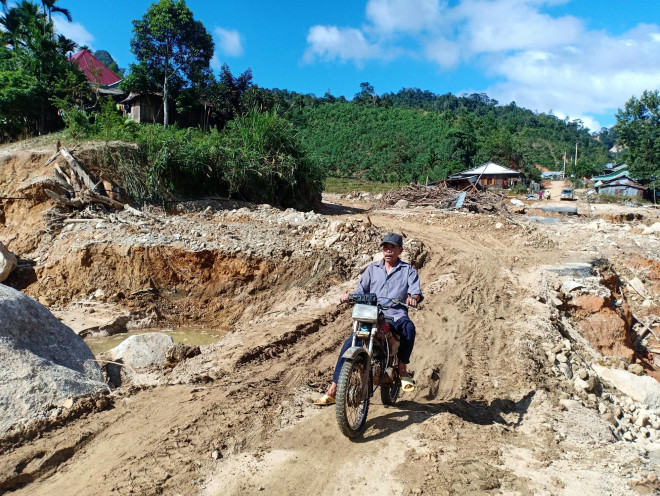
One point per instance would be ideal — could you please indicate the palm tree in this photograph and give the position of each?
(49, 7)
(65, 45)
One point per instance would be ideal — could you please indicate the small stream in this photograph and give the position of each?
(187, 335)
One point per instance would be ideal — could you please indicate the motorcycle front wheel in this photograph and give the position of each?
(352, 403)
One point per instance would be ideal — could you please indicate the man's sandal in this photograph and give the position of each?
(325, 400)
(407, 384)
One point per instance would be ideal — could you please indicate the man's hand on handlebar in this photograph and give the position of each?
(412, 301)
(344, 298)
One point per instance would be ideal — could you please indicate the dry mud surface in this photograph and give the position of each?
(490, 415)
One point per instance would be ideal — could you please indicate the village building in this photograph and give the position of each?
(488, 175)
(618, 182)
(104, 81)
(93, 68)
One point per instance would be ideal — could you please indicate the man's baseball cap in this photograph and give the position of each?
(392, 238)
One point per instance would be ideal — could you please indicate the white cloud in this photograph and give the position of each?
(403, 15)
(596, 76)
(74, 31)
(445, 53)
(501, 25)
(541, 62)
(330, 43)
(229, 42)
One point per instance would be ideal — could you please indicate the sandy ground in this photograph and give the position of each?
(489, 415)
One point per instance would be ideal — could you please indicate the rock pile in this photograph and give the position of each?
(620, 406)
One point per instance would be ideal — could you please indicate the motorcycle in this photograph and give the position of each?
(371, 362)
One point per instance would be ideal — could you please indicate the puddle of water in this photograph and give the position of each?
(542, 220)
(575, 269)
(187, 335)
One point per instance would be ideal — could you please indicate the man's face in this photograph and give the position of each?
(391, 253)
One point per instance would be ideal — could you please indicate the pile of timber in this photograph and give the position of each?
(442, 196)
(81, 188)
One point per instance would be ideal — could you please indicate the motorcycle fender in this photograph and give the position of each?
(353, 353)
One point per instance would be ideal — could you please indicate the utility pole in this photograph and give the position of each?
(564, 171)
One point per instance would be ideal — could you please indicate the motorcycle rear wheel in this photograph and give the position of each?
(352, 407)
(389, 393)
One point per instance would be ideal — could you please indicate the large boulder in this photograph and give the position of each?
(142, 350)
(43, 361)
(643, 389)
(135, 357)
(7, 262)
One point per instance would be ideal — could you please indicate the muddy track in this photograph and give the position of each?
(474, 385)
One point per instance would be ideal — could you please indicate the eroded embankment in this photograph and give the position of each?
(204, 287)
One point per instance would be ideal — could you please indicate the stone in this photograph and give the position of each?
(332, 240)
(142, 350)
(636, 368)
(565, 369)
(653, 229)
(7, 262)
(517, 202)
(580, 385)
(643, 389)
(499, 225)
(43, 361)
(642, 419)
(402, 204)
(68, 403)
(583, 374)
(568, 286)
(638, 286)
(628, 436)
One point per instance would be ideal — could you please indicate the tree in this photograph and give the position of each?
(170, 45)
(34, 71)
(638, 128)
(49, 7)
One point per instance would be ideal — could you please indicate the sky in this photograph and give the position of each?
(576, 59)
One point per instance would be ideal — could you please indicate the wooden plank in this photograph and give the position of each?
(80, 172)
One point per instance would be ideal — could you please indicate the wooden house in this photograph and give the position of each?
(489, 175)
(618, 182)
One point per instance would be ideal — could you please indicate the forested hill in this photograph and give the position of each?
(414, 135)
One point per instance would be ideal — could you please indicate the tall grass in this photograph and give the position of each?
(257, 158)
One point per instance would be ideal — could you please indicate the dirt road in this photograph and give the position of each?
(490, 415)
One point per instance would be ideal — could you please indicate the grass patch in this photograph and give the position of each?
(343, 185)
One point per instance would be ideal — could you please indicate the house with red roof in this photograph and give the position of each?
(96, 72)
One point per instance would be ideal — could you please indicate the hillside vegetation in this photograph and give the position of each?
(415, 136)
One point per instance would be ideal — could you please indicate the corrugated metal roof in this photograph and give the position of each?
(95, 71)
(487, 168)
(612, 176)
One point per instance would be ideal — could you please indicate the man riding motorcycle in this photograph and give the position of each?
(389, 278)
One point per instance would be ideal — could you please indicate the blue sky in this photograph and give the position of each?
(575, 58)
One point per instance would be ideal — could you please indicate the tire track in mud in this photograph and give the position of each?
(267, 434)
(469, 393)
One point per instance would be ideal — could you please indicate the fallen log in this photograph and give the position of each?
(91, 196)
(76, 202)
(77, 168)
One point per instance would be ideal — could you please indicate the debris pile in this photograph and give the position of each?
(442, 196)
(77, 188)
